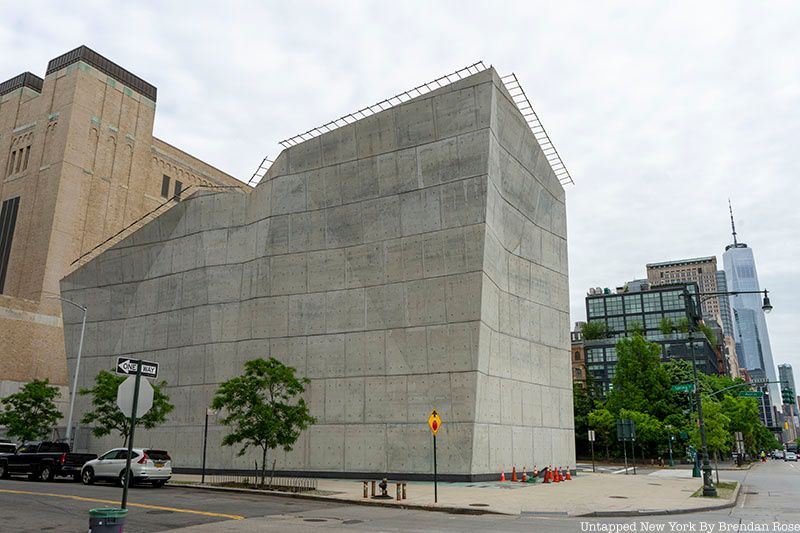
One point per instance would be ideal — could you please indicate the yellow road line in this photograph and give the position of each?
(116, 502)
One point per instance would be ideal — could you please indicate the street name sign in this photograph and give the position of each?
(683, 387)
(128, 367)
(750, 394)
(125, 396)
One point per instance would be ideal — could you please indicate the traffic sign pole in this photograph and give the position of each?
(435, 478)
(128, 480)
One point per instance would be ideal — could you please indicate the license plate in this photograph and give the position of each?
(159, 465)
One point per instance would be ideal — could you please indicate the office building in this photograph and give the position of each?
(700, 270)
(752, 344)
(643, 308)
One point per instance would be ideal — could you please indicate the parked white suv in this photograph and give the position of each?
(151, 466)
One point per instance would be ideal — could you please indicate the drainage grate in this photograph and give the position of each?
(619, 497)
(655, 484)
(159, 511)
(751, 492)
(351, 522)
(479, 505)
(315, 519)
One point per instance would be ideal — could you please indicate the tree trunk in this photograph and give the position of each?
(273, 471)
(263, 466)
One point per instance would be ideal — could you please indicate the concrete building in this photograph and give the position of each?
(638, 306)
(410, 260)
(78, 164)
(752, 344)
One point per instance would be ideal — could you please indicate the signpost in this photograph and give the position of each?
(683, 387)
(591, 440)
(435, 422)
(626, 431)
(128, 398)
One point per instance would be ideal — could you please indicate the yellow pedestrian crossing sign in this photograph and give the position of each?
(435, 422)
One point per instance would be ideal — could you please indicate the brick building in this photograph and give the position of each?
(78, 164)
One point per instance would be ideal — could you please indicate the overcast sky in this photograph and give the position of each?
(661, 110)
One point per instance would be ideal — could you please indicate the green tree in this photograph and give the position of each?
(709, 333)
(594, 330)
(683, 325)
(649, 430)
(717, 425)
(604, 425)
(31, 413)
(263, 408)
(666, 325)
(106, 417)
(635, 327)
(641, 383)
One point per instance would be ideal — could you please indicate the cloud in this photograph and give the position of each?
(661, 111)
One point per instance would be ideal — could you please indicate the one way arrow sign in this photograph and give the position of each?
(128, 367)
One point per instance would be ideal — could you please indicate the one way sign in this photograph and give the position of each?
(127, 366)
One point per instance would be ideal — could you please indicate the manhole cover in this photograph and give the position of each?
(315, 519)
(479, 505)
(619, 497)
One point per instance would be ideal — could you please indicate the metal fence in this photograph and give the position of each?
(252, 479)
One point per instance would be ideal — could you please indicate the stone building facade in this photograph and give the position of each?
(78, 164)
(414, 259)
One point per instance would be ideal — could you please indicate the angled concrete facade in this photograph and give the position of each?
(412, 260)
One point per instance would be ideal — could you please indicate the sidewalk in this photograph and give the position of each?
(586, 495)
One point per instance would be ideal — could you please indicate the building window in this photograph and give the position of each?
(614, 305)
(633, 304)
(8, 219)
(165, 186)
(596, 308)
(178, 189)
(577, 356)
(27, 155)
(651, 302)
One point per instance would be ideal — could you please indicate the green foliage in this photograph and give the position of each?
(717, 424)
(709, 333)
(594, 330)
(106, 417)
(635, 327)
(263, 408)
(640, 383)
(604, 425)
(666, 325)
(649, 430)
(683, 325)
(31, 413)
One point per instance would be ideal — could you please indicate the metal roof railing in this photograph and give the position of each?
(524, 105)
(383, 105)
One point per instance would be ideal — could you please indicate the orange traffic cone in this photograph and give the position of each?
(546, 475)
(569, 476)
(502, 475)
(514, 474)
(558, 475)
(524, 475)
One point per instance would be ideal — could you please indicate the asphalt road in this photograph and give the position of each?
(771, 492)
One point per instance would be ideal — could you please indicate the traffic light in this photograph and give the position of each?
(788, 396)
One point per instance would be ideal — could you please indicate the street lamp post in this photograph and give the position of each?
(708, 484)
(209, 412)
(669, 443)
(77, 366)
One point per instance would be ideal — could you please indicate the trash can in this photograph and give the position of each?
(107, 520)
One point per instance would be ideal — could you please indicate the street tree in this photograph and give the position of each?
(604, 425)
(106, 417)
(640, 383)
(594, 330)
(649, 430)
(264, 408)
(31, 413)
(717, 426)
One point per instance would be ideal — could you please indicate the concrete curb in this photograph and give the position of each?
(661, 512)
(330, 499)
(468, 511)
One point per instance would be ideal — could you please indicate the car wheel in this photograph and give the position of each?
(46, 473)
(87, 476)
(158, 484)
(121, 479)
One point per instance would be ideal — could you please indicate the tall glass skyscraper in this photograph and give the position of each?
(752, 344)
